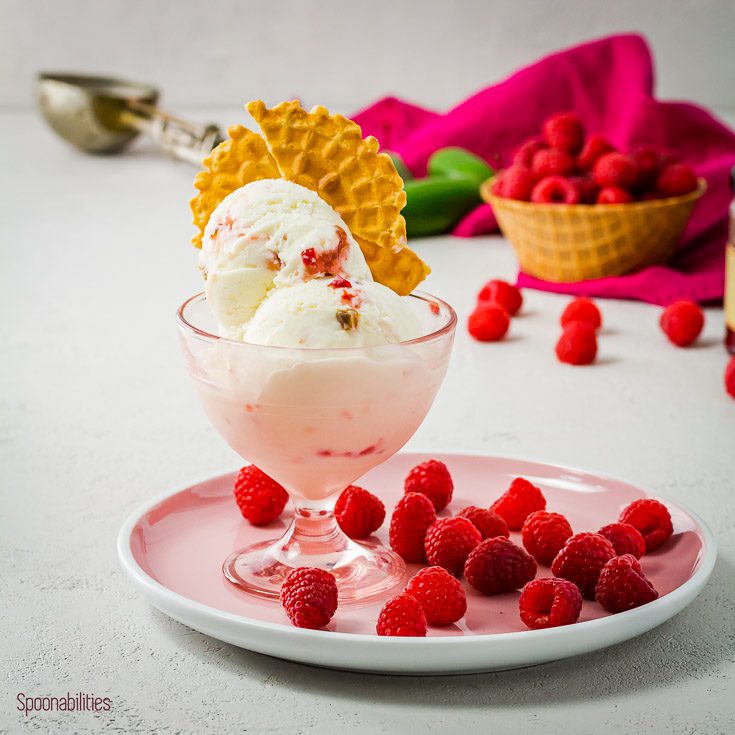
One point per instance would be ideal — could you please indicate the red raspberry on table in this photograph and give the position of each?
(449, 541)
(682, 322)
(594, 147)
(503, 293)
(581, 309)
(648, 161)
(431, 478)
(488, 523)
(544, 534)
(440, 595)
(565, 131)
(518, 502)
(613, 195)
(615, 169)
(581, 560)
(623, 586)
(651, 518)
(515, 182)
(359, 512)
(577, 344)
(259, 497)
(402, 616)
(412, 516)
(625, 539)
(555, 190)
(676, 179)
(551, 162)
(497, 565)
(489, 322)
(549, 602)
(730, 377)
(309, 597)
(525, 152)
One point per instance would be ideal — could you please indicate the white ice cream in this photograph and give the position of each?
(270, 255)
(316, 314)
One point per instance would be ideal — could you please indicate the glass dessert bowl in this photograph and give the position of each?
(315, 420)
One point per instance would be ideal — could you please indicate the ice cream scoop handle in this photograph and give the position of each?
(179, 138)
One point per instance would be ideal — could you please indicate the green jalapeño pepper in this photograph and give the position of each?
(435, 204)
(458, 163)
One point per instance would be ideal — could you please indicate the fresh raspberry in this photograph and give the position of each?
(625, 539)
(555, 190)
(516, 182)
(488, 523)
(525, 152)
(440, 595)
(359, 512)
(431, 478)
(588, 189)
(623, 586)
(449, 541)
(730, 377)
(581, 560)
(615, 169)
(594, 147)
(614, 195)
(577, 344)
(549, 602)
(651, 196)
(682, 322)
(309, 597)
(544, 534)
(518, 502)
(581, 309)
(648, 161)
(489, 322)
(676, 179)
(651, 518)
(551, 162)
(503, 293)
(413, 514)
(260, 498)
(402, 616)
(564, 130)
(497, 565)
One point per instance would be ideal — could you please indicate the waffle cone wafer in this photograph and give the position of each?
(243, 158)
(401, 271)
(327, 154)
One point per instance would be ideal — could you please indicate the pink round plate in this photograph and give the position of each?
(174, 546)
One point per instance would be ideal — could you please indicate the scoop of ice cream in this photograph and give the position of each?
(272, 233)
(331, 312)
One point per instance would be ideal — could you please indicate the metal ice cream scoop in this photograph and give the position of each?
(102, 115)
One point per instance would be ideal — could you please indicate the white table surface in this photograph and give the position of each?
(98, 416)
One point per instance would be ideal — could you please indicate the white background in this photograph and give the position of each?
(345, 53)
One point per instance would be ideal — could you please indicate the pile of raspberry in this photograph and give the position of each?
(567, 166)
(475, 545)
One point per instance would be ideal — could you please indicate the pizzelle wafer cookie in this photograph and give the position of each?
(327, 154)
(243, 158)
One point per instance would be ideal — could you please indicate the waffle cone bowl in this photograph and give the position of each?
(564, 243)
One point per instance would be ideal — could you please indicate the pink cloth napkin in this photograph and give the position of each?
(609, 83)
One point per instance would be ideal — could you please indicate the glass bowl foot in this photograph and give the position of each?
(365, 572)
